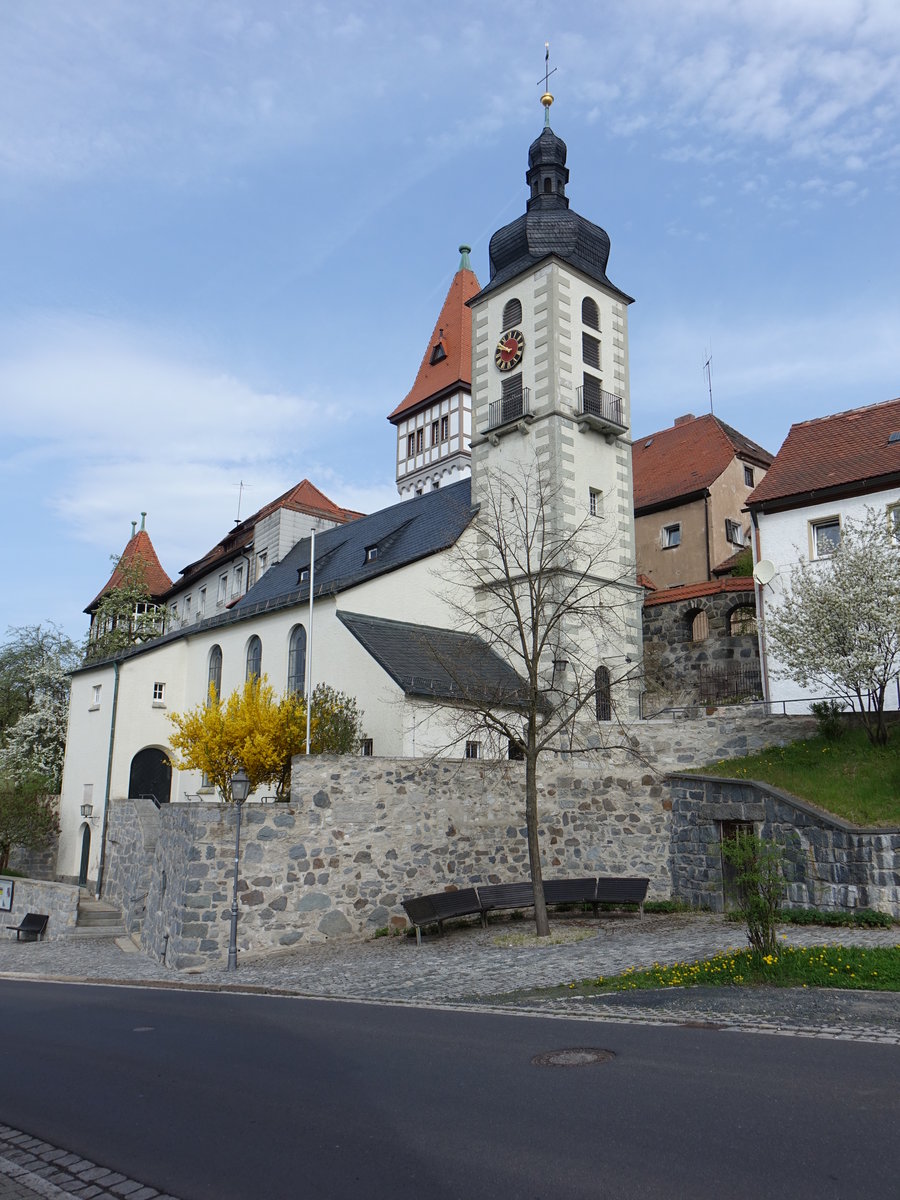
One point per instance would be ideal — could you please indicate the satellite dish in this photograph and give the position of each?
(764, 571)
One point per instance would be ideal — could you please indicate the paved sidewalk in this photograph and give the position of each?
(467, 967)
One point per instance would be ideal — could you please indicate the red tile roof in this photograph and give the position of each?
(140, 549)
(692, 591)
(687, 458)
(303, 497)
(834, 452)
(453, 330)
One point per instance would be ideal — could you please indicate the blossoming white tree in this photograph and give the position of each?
(838, 626)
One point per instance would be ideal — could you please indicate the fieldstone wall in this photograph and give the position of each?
(130, 856)
(359, 834)
(674, 663)
(39, 863)
(58, 900)
(828, 863)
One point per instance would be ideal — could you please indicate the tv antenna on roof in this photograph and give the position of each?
(707, 367)
(241, 486)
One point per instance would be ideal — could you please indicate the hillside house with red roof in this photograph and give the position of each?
(829, 470)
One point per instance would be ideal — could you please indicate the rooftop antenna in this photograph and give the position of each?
(707, 367)
(546, 99)
(241, 486)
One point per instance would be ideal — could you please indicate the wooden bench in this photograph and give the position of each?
(623, 889)
(495, 896)
(439, 907)
(572, 891)
(33, 926)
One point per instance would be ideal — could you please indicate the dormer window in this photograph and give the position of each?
(304, 575)
(438, 353)
(371, 553)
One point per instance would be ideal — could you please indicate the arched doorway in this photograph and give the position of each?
(151, 775)
(85, 855)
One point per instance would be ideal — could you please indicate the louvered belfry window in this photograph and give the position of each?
(512, 313)
(590, 350)
(590, 313)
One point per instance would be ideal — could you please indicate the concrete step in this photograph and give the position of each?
(98, 931)
(98, 918)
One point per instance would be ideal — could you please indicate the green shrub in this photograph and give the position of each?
(760, 887)
(867, 918)
(828, 718)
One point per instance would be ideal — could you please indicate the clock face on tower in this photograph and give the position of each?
(509, 350)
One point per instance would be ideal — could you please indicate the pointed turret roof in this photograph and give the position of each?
(139, 549)
(447, 362)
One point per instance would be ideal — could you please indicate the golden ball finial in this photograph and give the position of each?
(546, 99)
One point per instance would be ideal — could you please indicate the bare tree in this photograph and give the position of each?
(549, 593)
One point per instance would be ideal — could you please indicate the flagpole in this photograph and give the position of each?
(309, 635)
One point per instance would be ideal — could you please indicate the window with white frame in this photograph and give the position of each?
(420, 440)
(254, 658)
(473, 749)
(186, 608)
(595, 502)
(296, 680)
(159, 693)
(445, 428)
(748, 476)
(214, 674)
(201, 602)
(95, 695)
(734, 533)
(262, 561)
(671, 536)
(367, 747)
(893, 513)
(237, 580)
(435, 432)
(824, 537)
(222, 589)
(410, 445)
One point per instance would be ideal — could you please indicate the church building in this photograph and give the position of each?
(525, 377)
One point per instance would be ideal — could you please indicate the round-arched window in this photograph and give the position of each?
(590, 313)
(254, 658)
(512, 313)
(296, 680)
(214, 677)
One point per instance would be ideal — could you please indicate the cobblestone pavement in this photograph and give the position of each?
(467, 967)
(31, 1169)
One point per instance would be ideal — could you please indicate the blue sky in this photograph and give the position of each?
(226, 228)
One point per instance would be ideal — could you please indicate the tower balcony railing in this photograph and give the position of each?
(603, 409)
(509, 409)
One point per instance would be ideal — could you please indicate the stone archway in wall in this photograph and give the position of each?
(151, 775)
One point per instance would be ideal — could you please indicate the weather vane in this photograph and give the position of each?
(546, 99)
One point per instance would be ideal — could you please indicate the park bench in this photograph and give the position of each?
(504, 895)
(439, 907)
(623, 889)
(572, 891)
(33, 926)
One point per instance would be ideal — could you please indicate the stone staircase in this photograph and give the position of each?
(97, 918)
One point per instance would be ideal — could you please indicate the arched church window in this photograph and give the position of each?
(590, 313)
(603, 694)
(512, 313)
(297, 660)
(254, 658)
(548, 186)
(214, 674)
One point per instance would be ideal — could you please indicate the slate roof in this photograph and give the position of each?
(303, 497)
(682, 461)
(405, 532)
(548, 227)
(453, 333)
(439, 663)
(139, 548)
(848, 451)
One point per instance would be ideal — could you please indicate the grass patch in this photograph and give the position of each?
(848, 777)
(849, 967)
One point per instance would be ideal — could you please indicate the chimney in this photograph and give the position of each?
(684, 420)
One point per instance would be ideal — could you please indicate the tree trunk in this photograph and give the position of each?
(541, 921)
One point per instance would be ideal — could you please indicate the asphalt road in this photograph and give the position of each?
(213, 1097)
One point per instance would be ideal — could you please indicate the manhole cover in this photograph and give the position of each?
(575, 1056)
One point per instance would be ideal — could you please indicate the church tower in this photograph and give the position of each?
(550, 383)
(434, 421)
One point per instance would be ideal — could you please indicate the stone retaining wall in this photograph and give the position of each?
(361, 833)
(58, 900)
(130, 857)
(828, 863)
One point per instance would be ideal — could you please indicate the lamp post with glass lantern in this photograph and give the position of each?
(240, 788)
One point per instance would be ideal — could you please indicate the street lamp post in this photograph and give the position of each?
(240, 787)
